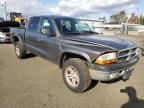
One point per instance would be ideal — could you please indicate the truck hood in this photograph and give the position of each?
(104, 41)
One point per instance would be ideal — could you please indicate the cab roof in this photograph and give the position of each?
(55, 16)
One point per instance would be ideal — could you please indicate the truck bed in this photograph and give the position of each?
(18, 32)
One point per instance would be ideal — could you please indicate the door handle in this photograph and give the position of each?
(39, 40)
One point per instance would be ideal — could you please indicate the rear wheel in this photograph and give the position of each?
(19, 50)
(76, 75)
(142, 52)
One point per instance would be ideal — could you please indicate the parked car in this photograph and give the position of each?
(82, 54)
(5, 30)
(5, 37)
(1, 19)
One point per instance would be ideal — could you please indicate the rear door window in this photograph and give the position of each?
(33, 25)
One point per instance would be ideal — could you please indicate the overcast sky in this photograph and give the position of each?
(80, 8)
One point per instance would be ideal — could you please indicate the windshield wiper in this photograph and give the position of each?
(90, 32)
(79, 33)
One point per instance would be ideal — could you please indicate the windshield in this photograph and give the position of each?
(73, 26)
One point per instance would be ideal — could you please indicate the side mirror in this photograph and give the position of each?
(47, 31)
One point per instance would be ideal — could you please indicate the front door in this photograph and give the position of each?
(48, 44)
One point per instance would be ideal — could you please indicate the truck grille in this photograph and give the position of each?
(128, 54)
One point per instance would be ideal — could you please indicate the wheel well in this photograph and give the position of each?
(67, 56)
(15, 39)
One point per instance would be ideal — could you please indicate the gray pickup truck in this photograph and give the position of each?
(82, 53)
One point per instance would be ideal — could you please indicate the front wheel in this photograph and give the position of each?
(76, 75)
(19, 50)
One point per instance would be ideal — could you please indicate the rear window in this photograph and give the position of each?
(33, 24)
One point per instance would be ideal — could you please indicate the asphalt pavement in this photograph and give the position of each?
(37, 83)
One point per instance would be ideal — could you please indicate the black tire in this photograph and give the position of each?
(142, 52)
(83, 74)
(22, 51)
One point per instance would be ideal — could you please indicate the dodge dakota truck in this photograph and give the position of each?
(82, 54)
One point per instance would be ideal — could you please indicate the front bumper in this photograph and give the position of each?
(5, 39)
(113, 71)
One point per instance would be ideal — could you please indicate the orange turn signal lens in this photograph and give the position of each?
(103, 62)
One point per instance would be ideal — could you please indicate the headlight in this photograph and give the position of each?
(2, 35)
(108, 58)
(138, 52)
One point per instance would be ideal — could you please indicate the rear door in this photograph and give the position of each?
(32, 34)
